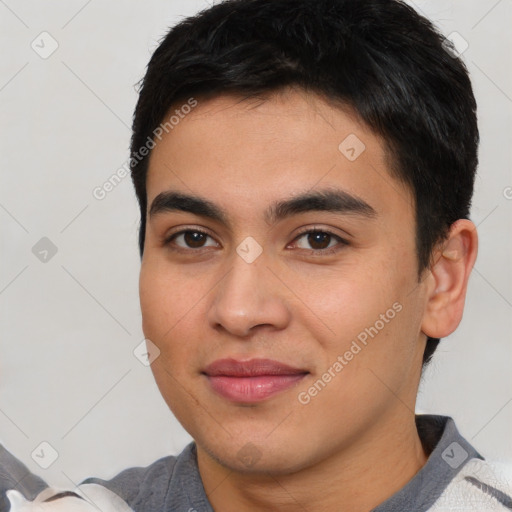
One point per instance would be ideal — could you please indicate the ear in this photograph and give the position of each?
(452, 263)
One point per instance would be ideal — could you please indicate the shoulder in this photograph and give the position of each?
(141, 484)
(136, 486)
(172, 482)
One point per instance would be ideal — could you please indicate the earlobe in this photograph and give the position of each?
(452, 264)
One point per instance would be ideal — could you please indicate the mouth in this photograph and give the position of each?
(253, 380)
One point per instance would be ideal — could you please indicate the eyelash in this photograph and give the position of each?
(313, 252)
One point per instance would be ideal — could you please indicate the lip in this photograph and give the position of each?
(253, 380)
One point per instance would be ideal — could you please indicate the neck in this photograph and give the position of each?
(354, 479)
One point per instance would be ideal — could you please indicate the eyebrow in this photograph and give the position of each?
(329, 200)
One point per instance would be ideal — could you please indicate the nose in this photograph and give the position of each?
(248, 297)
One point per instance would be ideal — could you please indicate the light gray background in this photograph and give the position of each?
(69, 326)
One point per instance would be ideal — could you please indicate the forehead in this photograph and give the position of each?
(260, 150)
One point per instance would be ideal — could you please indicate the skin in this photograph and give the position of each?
(355, 443)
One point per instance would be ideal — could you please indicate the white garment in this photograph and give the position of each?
(91, 498)
(480, 486)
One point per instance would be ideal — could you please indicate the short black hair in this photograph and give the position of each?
(380, 57)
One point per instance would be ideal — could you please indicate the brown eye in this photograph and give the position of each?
(320, 242)
(189, 239)
(194, 238)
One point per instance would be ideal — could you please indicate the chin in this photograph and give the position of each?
(257, 455)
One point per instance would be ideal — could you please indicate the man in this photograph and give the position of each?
(304, 170)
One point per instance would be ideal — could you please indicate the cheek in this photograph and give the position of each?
(167, 303)
(173, 306)
(349, 299)
(166, 297)
(368, 312)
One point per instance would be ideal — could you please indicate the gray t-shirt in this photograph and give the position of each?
(173, 483)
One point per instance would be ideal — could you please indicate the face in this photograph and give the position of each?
(311, 304)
